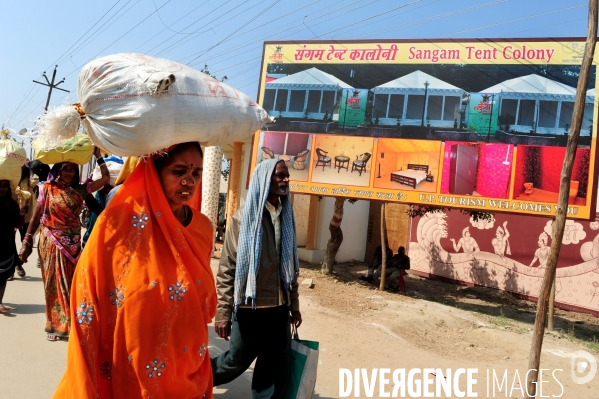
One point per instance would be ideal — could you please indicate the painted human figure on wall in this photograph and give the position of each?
(500, 242)
(466, 242)
(543, 252)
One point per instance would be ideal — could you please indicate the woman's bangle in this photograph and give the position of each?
(28, 235)
(26, 242)
(100, 161)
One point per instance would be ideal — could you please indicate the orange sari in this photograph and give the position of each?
(142, 297)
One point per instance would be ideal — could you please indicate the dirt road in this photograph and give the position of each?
(357, 327)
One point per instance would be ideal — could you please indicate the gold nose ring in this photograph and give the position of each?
(184, 182)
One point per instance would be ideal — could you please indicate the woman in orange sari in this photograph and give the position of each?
(143, 292)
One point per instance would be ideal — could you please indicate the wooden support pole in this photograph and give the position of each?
(312, 222)
(234, 181)
(383, 248)
(551, 307)
(534, 358)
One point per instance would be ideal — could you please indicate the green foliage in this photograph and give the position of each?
(207, 72)
(225, 170)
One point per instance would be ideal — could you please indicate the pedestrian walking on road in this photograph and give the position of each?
(143, 290)
(27, 183)
(59, 206)
(257, 285)
(11, 218)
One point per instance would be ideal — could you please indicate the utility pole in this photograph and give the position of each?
(51, 86)
(534, 358)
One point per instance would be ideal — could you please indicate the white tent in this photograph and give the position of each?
(539, 104)
(404, 99)
(311, 91)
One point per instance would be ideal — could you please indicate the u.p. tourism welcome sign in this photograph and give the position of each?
(476, 124)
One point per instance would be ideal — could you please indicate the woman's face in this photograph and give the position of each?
(181, 176)
(4, 186)
(67, 173)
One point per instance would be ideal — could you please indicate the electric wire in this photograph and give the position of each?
(186, 39)
(83, 35)
(275, 33)
(237, 30)
(159, 33)
(193, 23)
(514, 20)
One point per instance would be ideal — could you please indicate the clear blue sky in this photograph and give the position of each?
(228, 35)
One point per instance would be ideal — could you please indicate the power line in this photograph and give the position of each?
(515, 20)
(161, 21)
(61, 58)
(123, 35)
(429, 19)
(105, 26)
(394, 16)
(186, 39)
(193, 23)
(81, 37)
(275, 33)
(157, 34)
(237, 30)
(269, 22)
(377, 15)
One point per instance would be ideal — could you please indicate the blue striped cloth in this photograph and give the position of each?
(250, 237)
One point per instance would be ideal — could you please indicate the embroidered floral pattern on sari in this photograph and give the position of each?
(177, 291)
(85, 313)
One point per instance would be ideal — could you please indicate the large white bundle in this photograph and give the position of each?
(114, 168)
(12, 158)
(136, 104)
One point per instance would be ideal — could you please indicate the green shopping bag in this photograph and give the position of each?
(304, 364)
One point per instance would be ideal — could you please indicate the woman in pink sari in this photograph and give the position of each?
(60, 204)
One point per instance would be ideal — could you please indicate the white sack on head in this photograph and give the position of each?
(114, 168)
(136, 104)
(12, 159)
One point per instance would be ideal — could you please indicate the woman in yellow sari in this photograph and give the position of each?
(143, 291)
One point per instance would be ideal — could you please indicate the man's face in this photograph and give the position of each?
(279, 182)
(401, 251)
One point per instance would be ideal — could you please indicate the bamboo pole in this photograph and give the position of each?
(383, 248)
(534, 358)
(551, 308)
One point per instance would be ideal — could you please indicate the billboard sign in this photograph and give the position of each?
(353, 107)
(472, 124)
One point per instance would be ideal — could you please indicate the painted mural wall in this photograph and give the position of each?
(510, 253)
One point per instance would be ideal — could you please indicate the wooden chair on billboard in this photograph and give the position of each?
(322, 159)
(361, 162)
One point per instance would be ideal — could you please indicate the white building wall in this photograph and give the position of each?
(354, 226)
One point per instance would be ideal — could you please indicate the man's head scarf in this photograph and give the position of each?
(250, 237)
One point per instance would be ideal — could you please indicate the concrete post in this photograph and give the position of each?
(213, 157)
